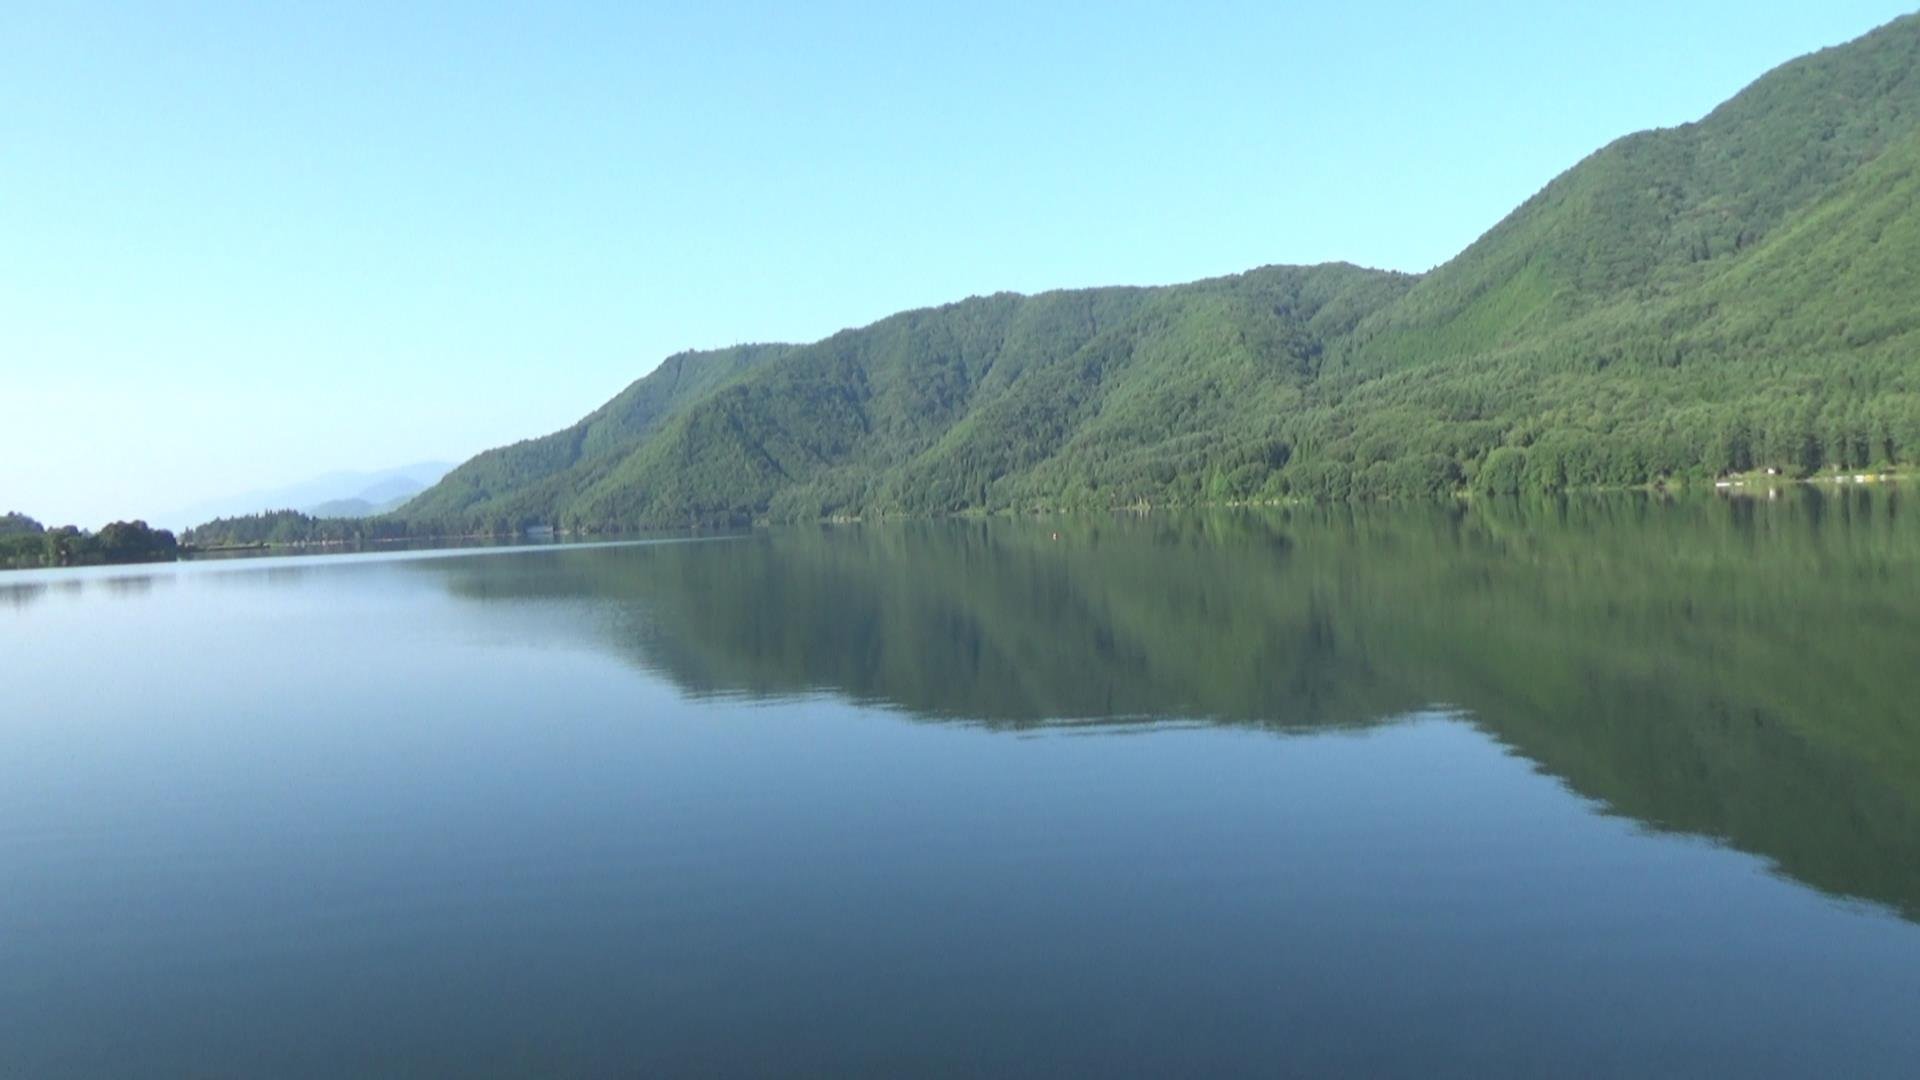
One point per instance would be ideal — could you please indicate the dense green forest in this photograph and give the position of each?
(1657, 653)
(1734, 294)
(14, 523)
(279, 527)
(25, 543)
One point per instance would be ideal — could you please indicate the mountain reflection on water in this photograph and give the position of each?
(1738, 669)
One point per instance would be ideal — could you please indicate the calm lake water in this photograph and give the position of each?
(1601, 787)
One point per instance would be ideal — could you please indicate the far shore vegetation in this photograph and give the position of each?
(26, 544)
(293, 530)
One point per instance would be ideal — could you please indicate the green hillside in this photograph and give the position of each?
(1658, 213)
(528, 480)
(1724, 295)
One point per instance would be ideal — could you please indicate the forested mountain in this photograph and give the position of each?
(1736, 292)
(527, 482)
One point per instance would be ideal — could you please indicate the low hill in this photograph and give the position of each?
(25, 544)
(18, 524)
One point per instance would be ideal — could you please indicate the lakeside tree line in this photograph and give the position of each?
(26, 544)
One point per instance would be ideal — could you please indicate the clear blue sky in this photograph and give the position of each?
(247, 244)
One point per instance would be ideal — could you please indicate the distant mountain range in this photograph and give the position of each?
(1739, 292)
(335, 494)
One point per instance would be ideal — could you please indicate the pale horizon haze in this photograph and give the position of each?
(251, 244)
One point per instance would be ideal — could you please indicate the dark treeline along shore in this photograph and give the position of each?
(26, 544)
(1738, 669)
(1737, 294)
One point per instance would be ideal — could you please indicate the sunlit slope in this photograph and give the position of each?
(1660, 212)
(531, 480)
(1133, 391)
(1732, 293)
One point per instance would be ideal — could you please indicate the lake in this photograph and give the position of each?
(1607, 786)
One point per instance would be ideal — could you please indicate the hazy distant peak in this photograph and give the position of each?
(350, 492)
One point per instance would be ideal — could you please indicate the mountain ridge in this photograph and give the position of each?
(1681, 303)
